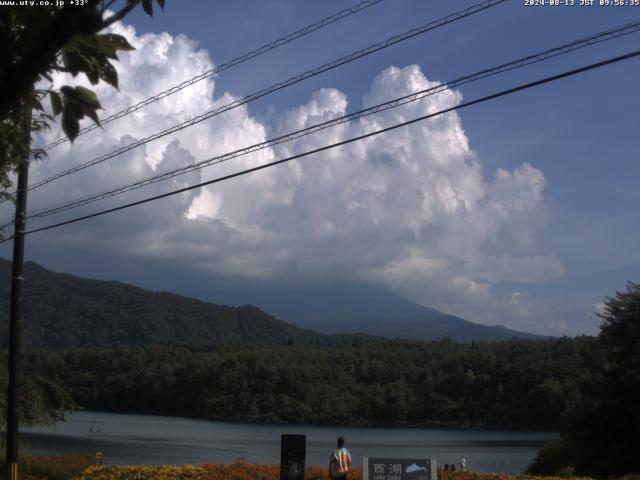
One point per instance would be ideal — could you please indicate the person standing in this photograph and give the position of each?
(463, 464)
(340, 461)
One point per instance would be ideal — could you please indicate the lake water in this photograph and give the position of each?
(153, 440)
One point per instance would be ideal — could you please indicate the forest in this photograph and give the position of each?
(62, 311)
(510, 384)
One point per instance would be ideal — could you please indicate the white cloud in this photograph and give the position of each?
(411, 209)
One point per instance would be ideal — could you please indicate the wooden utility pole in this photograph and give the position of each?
(15, 322)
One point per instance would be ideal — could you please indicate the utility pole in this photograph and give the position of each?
(15, 322)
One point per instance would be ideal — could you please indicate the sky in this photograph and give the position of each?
(519, 211)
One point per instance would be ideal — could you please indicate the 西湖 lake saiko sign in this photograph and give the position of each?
(374, 468)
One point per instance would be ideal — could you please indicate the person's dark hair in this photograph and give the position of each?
(340, 442)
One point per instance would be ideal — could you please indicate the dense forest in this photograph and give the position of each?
(63, 311)
(513, 384)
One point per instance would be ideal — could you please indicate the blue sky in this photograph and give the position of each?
(579, 134)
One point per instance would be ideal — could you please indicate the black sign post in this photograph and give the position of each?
(374, 468)
(293, 449)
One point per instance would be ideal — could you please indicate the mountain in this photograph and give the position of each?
(350, 308)
(64, 311)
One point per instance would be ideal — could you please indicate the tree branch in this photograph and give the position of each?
(60, 69)
(119, 15)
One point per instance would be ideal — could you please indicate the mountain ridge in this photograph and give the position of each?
(349, 308)
(65, 311)
(62, 310)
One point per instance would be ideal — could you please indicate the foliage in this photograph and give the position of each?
(42, 400)
(63, 311)
(42, 40)
(143, 472)
(498, 476)
(236, 471)
(240, 471)
(382, 382)
(602, 437)
(551, 459)
(620, 335)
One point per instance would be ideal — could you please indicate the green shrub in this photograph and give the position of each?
(566, 472)
(553, 458)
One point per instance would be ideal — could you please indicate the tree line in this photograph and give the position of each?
(512, 384)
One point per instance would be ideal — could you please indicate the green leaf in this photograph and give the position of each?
(68, 91)
(70, 125)
(91, 113)
(71, 45)
(76, 62)
(66, 62)
(109, 74)
(110, 43)
(88, 97)
(74, 108)
(56, 103)
(87, 39)
(147, 5)
(93, 74)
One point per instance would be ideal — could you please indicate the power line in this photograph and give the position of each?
(279, 86)
(225, 66)
(519, 63)
(345, 142)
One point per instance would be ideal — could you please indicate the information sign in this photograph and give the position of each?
(376, 468)
(292, 456)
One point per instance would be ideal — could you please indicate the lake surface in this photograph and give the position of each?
(153, 440)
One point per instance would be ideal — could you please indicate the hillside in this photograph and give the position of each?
(64, 311)
(350, 308)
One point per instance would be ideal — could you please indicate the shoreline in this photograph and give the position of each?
(429, 425)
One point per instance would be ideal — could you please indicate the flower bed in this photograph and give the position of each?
(164, 472)
(236, 471)
(265, 472)
(498, 476)
(241, 471)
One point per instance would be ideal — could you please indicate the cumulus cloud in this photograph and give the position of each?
(411, 209)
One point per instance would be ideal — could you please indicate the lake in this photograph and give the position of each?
(154, 440)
